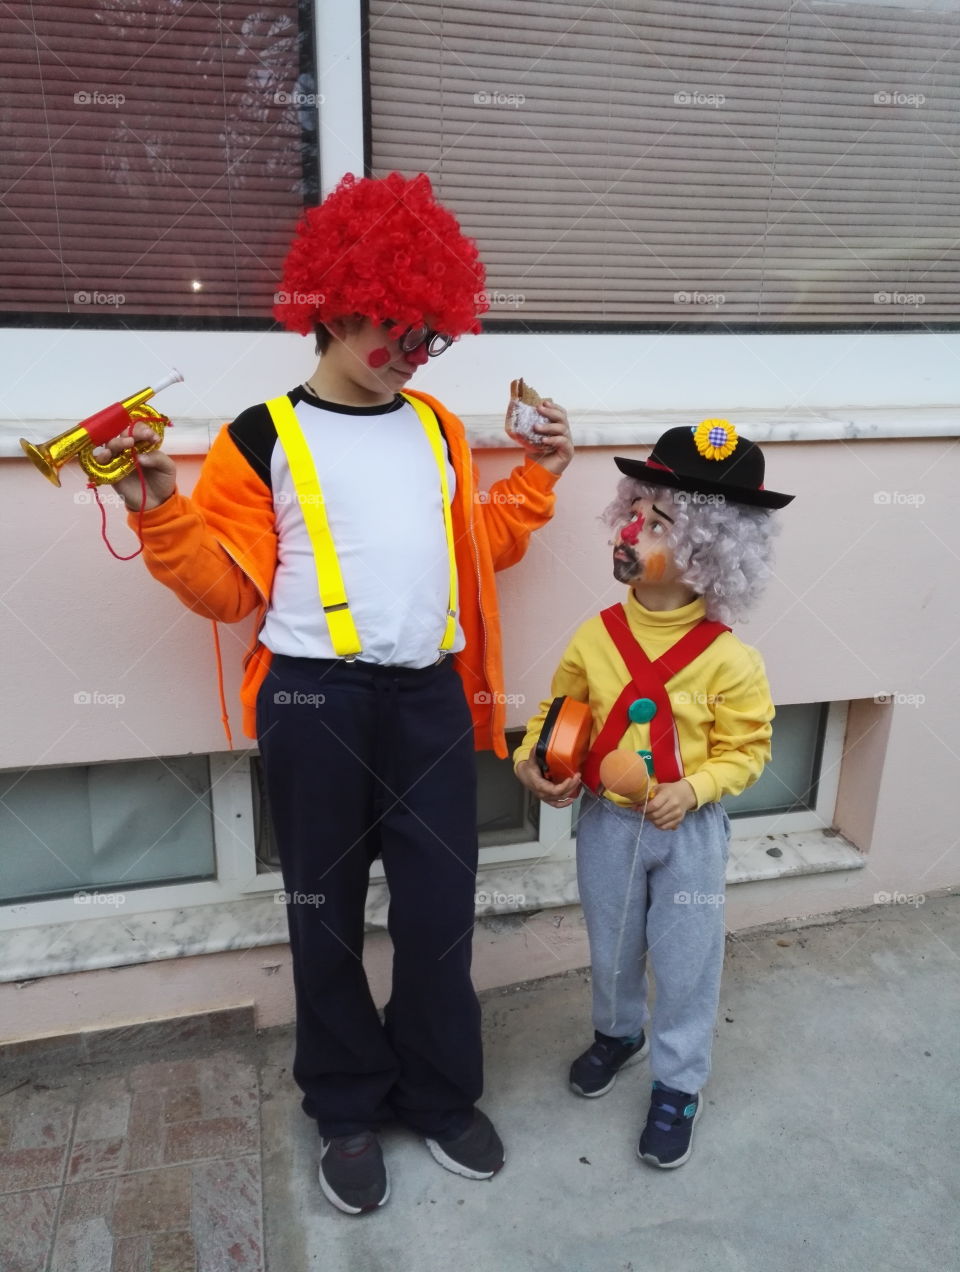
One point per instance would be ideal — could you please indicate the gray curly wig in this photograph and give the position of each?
(723, 550)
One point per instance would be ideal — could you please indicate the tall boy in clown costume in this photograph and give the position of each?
(666, 678)
(345, 514)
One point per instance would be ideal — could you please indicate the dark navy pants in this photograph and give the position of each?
(361, 760)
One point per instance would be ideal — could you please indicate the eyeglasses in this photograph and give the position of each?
(414, 337)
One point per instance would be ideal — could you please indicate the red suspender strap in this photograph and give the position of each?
(648, 680)
(608, 737)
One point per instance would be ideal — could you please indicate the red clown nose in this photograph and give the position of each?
(631, 533)
(417, 357)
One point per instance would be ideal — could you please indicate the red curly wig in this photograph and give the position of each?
(386, 249)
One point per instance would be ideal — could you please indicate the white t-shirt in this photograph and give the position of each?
(381, 488)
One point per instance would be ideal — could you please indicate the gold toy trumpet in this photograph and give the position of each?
(80, 441)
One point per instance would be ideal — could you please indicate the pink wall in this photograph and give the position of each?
(864, 602)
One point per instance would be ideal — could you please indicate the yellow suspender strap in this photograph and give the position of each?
(333, 596)
(336, 609)
(432, 429)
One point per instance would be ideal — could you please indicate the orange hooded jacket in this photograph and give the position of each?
(217, 550)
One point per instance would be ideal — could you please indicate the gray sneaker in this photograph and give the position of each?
(352, 1172)
(477, 1153)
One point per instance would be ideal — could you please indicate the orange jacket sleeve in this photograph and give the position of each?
(513, 508)
(184, 537)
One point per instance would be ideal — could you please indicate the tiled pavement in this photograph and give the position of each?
(107, 1166)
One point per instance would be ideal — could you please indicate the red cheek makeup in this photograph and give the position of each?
(378, 357)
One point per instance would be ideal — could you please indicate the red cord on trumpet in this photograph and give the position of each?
(92, 485)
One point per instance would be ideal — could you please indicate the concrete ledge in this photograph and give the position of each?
(121, 940)
(799, 853)
(605, 428)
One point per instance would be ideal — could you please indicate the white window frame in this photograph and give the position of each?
(231, 784)
(553, 843)
(232, 813)
(820, 817)
(556, 842)
(226, 370)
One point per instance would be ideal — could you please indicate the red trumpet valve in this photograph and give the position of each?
(110, 422)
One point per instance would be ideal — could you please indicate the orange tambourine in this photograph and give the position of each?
(564, 739)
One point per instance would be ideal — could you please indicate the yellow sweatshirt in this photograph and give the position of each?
(721, 701)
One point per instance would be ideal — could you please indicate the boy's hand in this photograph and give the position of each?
(159, 470)
(670, 803)
(556, 794)
(556, 446)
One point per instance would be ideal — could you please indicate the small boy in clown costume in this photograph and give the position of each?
(665, 677)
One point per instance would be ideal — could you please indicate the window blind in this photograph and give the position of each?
(762, 161)
(156, 157)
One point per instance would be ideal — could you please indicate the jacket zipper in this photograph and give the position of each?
(264, 602)
(469, 502)
(476, 565)
(483, 621)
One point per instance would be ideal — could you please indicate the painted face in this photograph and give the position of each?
(381, 353)
(640, 550)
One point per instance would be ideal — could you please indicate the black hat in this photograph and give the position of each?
(710, 458)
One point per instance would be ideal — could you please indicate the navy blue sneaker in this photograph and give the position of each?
(667, 1138)
(353, 1176)
(595, 1072)
(476, 1153)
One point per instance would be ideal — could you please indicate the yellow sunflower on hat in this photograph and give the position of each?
(715, 439)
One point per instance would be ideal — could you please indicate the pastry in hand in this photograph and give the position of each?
(523, 418)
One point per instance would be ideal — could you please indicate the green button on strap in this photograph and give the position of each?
(642, 710)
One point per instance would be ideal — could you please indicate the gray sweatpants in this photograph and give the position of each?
(660, 892)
